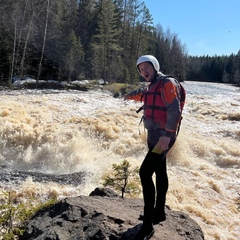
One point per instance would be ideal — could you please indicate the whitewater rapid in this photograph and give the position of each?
(61, 132)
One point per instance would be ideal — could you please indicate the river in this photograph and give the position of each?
(61, 132)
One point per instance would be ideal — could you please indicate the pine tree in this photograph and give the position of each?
(123, 179)
(105, 45)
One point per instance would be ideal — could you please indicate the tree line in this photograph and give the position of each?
(225, 69)
(96, 39)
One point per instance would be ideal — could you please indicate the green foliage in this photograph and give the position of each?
(14, 213)
(123, 179)
(214, 68)
(106, 45)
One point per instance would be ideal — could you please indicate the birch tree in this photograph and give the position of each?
(33, 11)
(44, 40)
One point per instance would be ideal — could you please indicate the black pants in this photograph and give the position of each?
(154, 163)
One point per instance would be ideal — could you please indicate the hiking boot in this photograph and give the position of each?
(141, 217)
(157, 218)
(145, 232)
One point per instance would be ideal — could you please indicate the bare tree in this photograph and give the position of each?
(13, 55)
(44, 41)
(33, 18)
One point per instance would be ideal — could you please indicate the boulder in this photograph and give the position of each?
(18, 177)
(104, 217)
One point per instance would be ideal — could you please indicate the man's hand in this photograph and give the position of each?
(164, 142)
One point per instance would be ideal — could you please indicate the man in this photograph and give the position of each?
(162, 114)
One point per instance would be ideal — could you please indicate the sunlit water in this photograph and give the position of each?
(69, 131)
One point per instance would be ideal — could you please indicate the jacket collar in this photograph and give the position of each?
(158, 76)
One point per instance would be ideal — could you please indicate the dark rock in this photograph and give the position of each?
(109, 218)
(42, 84)
(17, 177)
(104, 192)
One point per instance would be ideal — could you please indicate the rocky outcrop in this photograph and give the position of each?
(17, 177)
(104, 217)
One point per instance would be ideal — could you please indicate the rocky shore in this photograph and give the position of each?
(104, 215)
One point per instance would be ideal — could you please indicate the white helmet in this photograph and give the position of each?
(149, 58)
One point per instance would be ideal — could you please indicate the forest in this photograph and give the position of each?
(67, 40)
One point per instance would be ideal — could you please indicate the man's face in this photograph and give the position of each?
(147, 71)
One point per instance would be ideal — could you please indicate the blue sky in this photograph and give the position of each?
(207, 27)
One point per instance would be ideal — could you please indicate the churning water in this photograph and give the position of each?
(68, 131)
